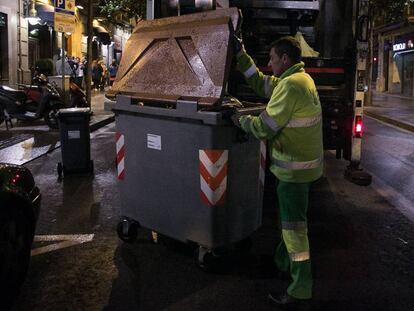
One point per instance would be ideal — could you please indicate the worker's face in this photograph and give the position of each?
(279, 64)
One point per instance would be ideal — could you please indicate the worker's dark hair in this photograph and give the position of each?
(289, 46)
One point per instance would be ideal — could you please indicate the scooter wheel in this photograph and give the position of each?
(51, 118)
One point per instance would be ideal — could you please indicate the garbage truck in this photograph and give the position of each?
(334, 40)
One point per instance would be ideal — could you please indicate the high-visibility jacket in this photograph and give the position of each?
(292, 121)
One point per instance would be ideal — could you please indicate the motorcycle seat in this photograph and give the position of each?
(13, 93)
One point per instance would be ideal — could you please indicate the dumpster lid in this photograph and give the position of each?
(183, 57)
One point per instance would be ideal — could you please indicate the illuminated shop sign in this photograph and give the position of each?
(403, 46)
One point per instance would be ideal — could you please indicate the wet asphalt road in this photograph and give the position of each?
(389, 156)
(362, 249)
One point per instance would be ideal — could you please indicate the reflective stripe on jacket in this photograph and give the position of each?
(292, 121)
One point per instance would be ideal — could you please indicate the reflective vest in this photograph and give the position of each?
(292, 121)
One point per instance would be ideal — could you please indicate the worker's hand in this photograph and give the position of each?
(235, 118)
(237, 44)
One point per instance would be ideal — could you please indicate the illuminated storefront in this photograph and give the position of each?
(403, 64)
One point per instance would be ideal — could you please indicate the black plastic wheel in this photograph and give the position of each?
(91, 167)
(127, 230)
(59, 169)
(205, 259)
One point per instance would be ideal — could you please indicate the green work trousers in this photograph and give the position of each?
(292, 254)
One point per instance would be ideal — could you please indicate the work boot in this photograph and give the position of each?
(287, 302)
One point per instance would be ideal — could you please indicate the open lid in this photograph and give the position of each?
(178, 57)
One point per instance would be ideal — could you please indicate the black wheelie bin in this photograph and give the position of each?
(75, 141)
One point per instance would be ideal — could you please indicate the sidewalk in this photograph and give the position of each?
(27, 141)
(100, 117)
(393, 109)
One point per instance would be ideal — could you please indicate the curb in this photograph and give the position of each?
(405, 126)
(92, 127)
(101, 123)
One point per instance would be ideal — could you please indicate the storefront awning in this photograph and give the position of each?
(102, 34)
(46, 13)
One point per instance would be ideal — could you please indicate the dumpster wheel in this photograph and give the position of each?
(127, 230)
(59, 169)
(209, 259)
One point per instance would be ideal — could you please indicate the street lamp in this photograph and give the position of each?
(32, 18)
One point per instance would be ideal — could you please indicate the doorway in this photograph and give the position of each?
(4, 50)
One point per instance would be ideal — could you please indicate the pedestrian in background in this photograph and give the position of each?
(292, 125)
(79, 72)
(97, 71)
(104, 78)
(67, 69)
(85, 70)
(113, 69)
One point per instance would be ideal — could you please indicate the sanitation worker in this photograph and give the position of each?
(292, 125)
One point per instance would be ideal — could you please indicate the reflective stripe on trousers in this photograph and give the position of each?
(298, 165)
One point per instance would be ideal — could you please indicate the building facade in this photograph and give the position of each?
(23, 44)
(393, 51)
(395, 62)
(14, 51)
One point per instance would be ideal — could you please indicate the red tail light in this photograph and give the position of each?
(358, 126)
(23, 180)
(15, 179)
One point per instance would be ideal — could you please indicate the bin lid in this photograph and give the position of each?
(181, 57)
(66, 112)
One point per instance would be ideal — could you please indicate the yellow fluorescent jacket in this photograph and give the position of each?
(292, 121)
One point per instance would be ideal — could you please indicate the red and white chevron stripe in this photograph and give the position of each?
(213, 176)
(120, 155)
(262, 162)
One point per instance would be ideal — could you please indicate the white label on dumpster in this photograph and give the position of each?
(73, 134)
(154, 141)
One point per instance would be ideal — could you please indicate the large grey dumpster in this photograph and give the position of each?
(184, 169)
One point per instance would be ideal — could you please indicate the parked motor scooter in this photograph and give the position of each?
(77, 95)
(31, 102)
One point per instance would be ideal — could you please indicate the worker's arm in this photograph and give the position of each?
(278, 113)
(262, 84)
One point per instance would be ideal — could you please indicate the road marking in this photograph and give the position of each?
(65, 240)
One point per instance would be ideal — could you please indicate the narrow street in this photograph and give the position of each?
(361, 244)
(162, 135)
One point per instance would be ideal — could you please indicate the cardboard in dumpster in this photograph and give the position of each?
(181, 57)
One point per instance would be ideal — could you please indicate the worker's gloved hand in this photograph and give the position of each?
(237, 44)
(235, 118)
